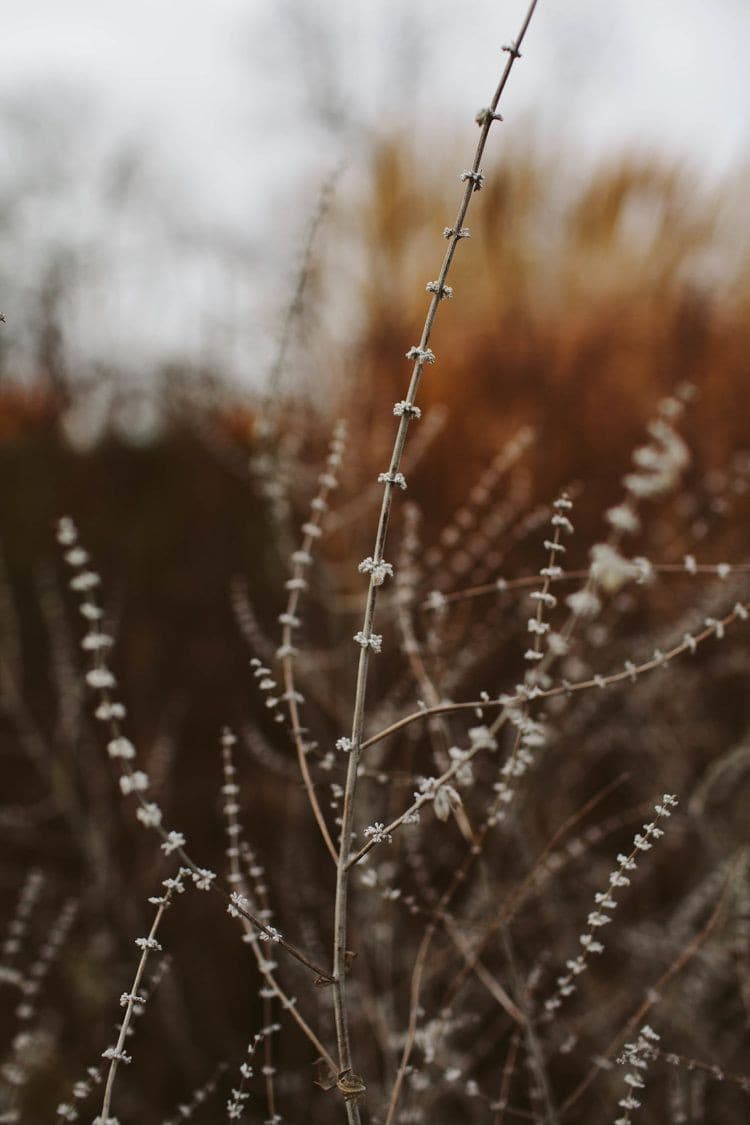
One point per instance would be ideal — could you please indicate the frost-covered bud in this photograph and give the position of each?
(464, 774)
(148, 943)
(583, 603)
(436, 600)
(421, 355)
(622, 518)
(446, 799)
(100, 679)
(133, 998)
(121, 748)
(443, 292)
(716, 626)
(203, 878)
(107, 710)
(378, 569)
(590, 945)
(557, 644)
(86, 580)
(116, 1056)
(90, 611)
(173, 842)
(403, 407)
(396, 479)
(475, 178)
(149, 814)
(668, 802)
(563, 523)
(609, 569)
(135, 782)
(238, 905)
(481, 738)
(548, 600)
(66, 532)
(377, 834)
(96, 642)
(372, 641)
(485, 114)
(76, 556)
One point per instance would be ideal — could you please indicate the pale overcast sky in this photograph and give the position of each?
(225, 99)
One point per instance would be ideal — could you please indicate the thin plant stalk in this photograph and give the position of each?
(118, 1054)
(422, 354)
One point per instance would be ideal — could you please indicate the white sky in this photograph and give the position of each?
(212, 92)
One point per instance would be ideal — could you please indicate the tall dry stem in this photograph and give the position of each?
(369, 642)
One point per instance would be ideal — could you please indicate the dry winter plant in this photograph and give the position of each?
(475, 852)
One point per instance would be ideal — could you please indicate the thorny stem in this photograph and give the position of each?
(342, 872)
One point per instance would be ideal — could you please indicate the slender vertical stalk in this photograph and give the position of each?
(405, 411)
(117, 1054)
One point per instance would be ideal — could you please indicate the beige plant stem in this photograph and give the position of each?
(506, 1078)
(264, 964)
(655, 992)
(739, 613)
(501, 586)
(126, 771)
(312, 531)
(421, 354)
(473, 964)
(118, 1054)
